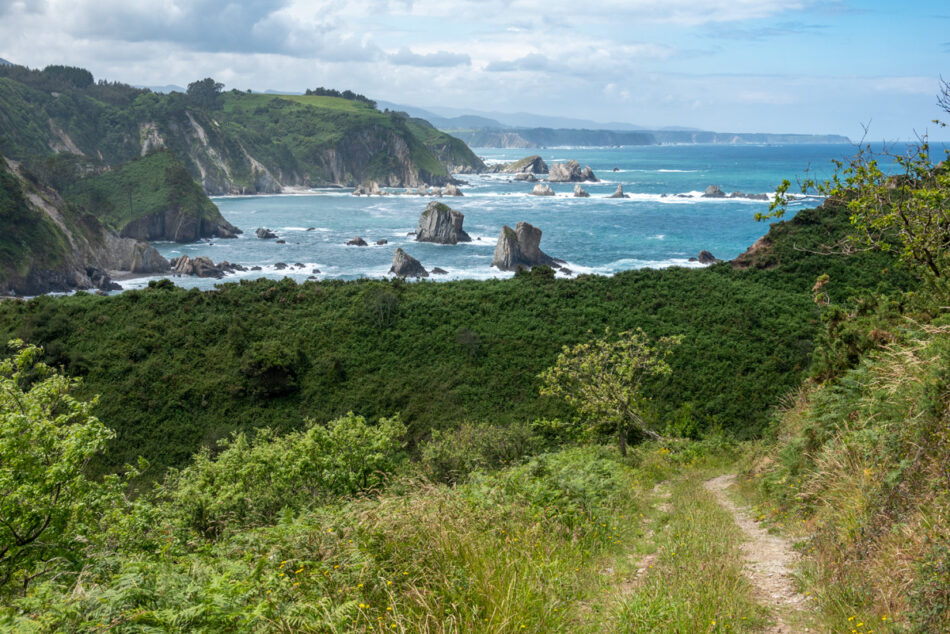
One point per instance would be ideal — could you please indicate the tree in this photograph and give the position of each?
(604, 379)
(46, 439)
(204, 93)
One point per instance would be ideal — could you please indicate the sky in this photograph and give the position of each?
(781, 66)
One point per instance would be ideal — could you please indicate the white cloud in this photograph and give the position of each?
(438, 59)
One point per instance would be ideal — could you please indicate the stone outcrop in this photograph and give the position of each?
(570, 172)
(368, 189)
(580, 192)
(714, 191)
(202, 266)
(528, 165)
(442, 224)
(528, 178)
(357, 242)
(618, 193)
(404, 265)
(175, 226)
(705, 257)
(452, 190)
(520, 248)
(542, 190)
(265, 234)
(439, 271)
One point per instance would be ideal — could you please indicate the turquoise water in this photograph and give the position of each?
(653, 228)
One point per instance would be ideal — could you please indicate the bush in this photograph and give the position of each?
(251, 480)
(449, 456)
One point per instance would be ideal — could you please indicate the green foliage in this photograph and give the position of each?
(204, 93)
(249, 482)
(70, 75)
(346, 94)
(143, 187)
(451, 455)
(907, 212)
(48, 507)
(271, 368)
(605, 380)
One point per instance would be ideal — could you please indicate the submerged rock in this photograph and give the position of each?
(520, 248)
(442, 224)
(580, 192)
(542, 190)
(570, 172)
(404, 265)
(264, 233)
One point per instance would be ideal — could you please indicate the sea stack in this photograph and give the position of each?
(404, 265)
(442, 224)
(520, 248)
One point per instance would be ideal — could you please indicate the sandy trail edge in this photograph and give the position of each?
(769, 559)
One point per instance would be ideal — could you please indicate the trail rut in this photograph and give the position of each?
(769, 559)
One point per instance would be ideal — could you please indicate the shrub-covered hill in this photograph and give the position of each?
(234, 143)
(179, 369)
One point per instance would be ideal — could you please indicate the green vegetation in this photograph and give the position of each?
(148, 186)
(604, 380)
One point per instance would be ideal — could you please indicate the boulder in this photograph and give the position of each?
(357, 242)
(570, 172)
(404, 265)
(713, 191)
(265, 234)
(368, 189)
(280, 242)
(381, 242)
(438, 271)
(200, 266)
(618, 193)
(442, 224)
(580, 192)
(749, 196)
(705, 257)
(452, 190)
(542, 190)
(280, 266)
(529, 178)
(520, 248)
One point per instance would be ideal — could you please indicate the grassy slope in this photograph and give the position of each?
(155, 182)
(858, 471)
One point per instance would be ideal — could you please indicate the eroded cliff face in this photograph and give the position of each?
(50, 247)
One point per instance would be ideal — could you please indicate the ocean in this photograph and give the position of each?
(663, 223)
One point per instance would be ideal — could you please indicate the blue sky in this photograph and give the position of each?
(725, 65)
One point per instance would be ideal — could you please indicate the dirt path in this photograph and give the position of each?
(769, 559)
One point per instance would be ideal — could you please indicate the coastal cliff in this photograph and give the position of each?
(49, 245)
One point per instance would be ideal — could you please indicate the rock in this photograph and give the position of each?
(438, 271)
(200, 266)
(265, 234)
(452, 190)
(580, 192)
(749, 196)
(566, 271)
(520, 248)
(280, 266)
(616, 169)
(315, 271)
(530, 178)
(618, 193)
(256, 268)
(442, 224)
(528, 165)
(693, 260)
(311, 228)
(368, 189)
(281, 242)
(713, 191)
(570, 172)
(422, 191)
(436, 191)
(381, 242)
(542, 190)
(705, 257)
(298, 265)
(357, 242)
(404, 265)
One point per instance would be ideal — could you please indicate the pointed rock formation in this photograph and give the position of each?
(618, 193)
(520, 248)
(404, 265)
(442, 224)
(580, 192)
(542, 190)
